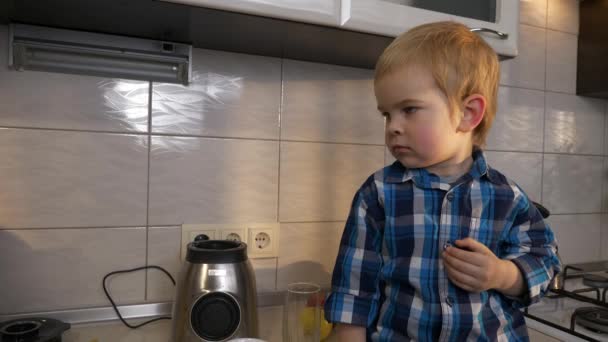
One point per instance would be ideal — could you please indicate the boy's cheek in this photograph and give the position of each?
(427, 139)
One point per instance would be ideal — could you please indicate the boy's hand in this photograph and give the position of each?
(350, 333)
(474, 268)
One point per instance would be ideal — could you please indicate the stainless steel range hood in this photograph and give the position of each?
(77, 52)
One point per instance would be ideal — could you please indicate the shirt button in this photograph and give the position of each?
(450, 196)
(449, 301)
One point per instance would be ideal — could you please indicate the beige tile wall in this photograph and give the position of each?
(63, 268)
(93, 182)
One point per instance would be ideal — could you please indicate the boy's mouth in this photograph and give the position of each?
(400, 148)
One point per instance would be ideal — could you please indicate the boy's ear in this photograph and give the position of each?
(474, 108)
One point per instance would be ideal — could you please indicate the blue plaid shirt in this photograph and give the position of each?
(389, 276)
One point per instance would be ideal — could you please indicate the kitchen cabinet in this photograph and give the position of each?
(322, 12)
(592, 69)
(498, 20)
(343, 32)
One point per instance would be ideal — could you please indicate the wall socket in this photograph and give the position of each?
(190, 231)
(232, 234)
(262, 239)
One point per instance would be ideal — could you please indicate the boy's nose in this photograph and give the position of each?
(394, 127)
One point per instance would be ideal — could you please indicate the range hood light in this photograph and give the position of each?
(58, 50)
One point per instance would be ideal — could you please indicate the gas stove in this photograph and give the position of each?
(579, 311)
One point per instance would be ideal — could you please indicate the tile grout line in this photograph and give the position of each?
(546, 18)
(73, 228)
(548, 153)
(76, 130)
(542, 160)
(148, 189)
(536, 89)
(281, 95)
(328, 142)
(603, 199)
(550, 29)
(304, 222)
(276, 273)
(282, 140)
(177, 135)
(150, 226)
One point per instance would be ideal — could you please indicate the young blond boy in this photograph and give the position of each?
(439, 246)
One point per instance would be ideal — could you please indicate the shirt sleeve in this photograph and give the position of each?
(531, 246)
(355, 283)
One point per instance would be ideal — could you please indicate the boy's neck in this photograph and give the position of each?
(455, 166)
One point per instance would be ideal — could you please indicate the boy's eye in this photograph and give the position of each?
(385, 114)
(410, 110)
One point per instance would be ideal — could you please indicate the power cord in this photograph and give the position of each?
(114, 304)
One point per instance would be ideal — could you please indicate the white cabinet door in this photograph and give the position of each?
(323, 12)
(499, 19)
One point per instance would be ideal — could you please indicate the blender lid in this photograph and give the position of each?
(216, 252)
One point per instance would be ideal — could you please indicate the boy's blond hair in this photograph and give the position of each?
(461, 62)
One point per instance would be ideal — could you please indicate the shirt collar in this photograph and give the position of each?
(397, 173)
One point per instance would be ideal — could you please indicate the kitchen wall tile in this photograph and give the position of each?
(164, 250)
(574, 124)
(53, 269)
(518, 125)
(533, 12)
(72, 179)
(604, 243)
(265, 274)
(523, 168)
(562, 15)
(55, 100)
(331, 103)
(318, 181)
(527, 70)
(578, 237)
(308, 252)
(561, 62)
(572, 184)
(206, 180)
(231, 95)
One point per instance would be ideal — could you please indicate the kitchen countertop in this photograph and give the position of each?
(270, 330)
(115, 331)
(270, 320)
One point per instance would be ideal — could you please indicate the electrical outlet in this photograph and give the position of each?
(263, 240)
(190, 231)
(232, 233)
(267, 245)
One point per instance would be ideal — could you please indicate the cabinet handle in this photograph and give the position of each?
(500, 35)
